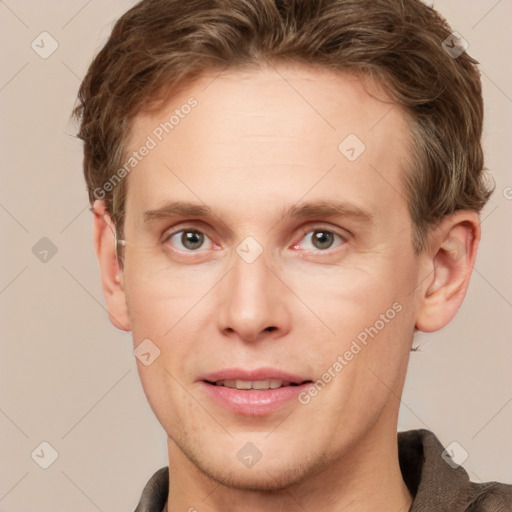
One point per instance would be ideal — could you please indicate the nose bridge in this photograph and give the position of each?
(251, 281)
(252, 301)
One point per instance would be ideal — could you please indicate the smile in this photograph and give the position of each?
(253, 393)
(255, 384)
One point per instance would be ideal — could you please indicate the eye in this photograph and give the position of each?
(189, 240)
(319, 240)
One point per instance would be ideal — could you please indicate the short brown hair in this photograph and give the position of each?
(159, 46)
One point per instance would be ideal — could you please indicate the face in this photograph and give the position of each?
(267, 248)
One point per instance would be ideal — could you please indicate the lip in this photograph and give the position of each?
(256, 374)
(253, 402)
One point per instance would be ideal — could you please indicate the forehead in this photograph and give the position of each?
(271, 134)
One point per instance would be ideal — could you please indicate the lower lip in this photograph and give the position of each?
(254, 402)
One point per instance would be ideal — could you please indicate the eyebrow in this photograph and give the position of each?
(298, 211)
(178, 209)
(328, 209)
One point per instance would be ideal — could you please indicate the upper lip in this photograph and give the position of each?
(257, 374)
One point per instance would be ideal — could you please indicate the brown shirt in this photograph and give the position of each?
(435, 484)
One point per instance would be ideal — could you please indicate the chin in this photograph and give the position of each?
(269, 476)
(265, 480)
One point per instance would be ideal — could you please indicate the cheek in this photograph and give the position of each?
(349, 297)
(364, 323)
(160, 296)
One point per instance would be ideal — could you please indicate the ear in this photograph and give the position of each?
(451, 257)
(111, 275)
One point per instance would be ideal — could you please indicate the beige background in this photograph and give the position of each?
(69, 378)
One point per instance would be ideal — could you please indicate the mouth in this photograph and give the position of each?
(252, 385)
(253, 393)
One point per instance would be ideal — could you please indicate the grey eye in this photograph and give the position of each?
(322, 239)
(189, 240)
(192, 239)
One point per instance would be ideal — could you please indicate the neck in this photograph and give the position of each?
(366, 478)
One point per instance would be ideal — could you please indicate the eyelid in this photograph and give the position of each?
(192, 225)
(304, 230)
(184, 226)
(189, 253)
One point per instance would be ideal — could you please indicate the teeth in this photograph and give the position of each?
(253, 384)
(274, 383)
(260, 384)
(243, 384)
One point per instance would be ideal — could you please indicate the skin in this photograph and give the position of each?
(252, 149)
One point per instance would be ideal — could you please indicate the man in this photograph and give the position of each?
(284, 192)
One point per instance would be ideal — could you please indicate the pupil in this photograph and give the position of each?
(192, 239)
(322, 239)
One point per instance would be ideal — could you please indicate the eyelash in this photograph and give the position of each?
(168, 237)
(342, 238)
(308, 230)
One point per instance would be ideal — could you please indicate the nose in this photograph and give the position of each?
(253, 302)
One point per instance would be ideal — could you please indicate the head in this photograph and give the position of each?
(291, 186)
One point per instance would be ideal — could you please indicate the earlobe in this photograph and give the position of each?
(111, 275)
(453, 246)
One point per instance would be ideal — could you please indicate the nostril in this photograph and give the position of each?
(270, 329)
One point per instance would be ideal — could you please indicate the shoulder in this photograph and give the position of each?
(155, 492)
(438, 483)
(490, 497)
